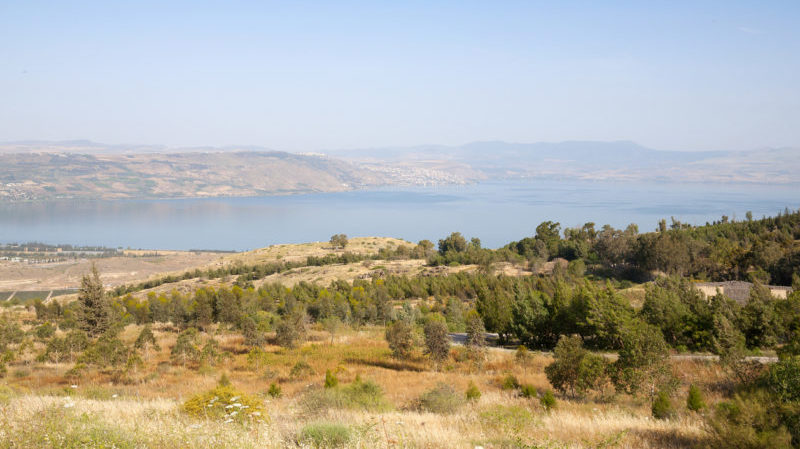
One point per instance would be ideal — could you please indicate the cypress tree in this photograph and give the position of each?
(95, 313)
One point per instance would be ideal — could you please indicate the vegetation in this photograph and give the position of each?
(613, 348)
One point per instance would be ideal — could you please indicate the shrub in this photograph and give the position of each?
(325, 435)
(441, 399)
(694, 401)
(473, 393)
(185, 349)
(522, 356)
(400, 337)
(750, 421)
(509, 382)
(45, 331)
(301, 370)
(528, 391)
(359, 395)
(274, 390)
(330, 380)
(547, 400)
(511, 419)
(662, 406)
(225, 403)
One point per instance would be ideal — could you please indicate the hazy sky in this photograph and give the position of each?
(320, 75)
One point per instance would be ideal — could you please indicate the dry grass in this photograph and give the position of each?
(146, 412)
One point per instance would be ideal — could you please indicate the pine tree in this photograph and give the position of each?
(95, 316)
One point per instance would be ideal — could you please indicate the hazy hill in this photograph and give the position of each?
(621, 160)
(157, 175)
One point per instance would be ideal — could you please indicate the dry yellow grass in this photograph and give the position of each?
(146, 412)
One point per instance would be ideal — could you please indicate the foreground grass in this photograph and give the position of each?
(497, 420)
(377, 403)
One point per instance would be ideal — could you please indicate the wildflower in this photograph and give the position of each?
(256, 413)
(228, 421)
(114, 395)
(73, 386)
(235, 398)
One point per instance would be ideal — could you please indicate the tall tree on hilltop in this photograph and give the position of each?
(94, 317)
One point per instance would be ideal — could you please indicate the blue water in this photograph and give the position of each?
(496, 212)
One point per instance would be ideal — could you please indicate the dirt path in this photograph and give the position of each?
(12, 296)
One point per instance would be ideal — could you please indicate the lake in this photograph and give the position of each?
(496, 212)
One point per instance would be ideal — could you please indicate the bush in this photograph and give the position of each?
(509, 382)
(522, 356)
(225, 403)
(750, 421)
(528, 391)
(694, 401)
(662, 406)
(274, 390)
(359, 395)
(330, 380)
(325, 435)
(301, 370)
(473, 393)
(548, 401)
(441, 399)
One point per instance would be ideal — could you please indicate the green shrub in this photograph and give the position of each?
(473, 393)
(511, 419)
(522, 356)
(547, 400)
(330, 380)
(325, 435)
(359, 395)
(274, 390)
(662, 406)
(301, 370)
(441, 399)
(528, 391)
(225, 403)
(749, 420)
(694, 401)
(509, 382)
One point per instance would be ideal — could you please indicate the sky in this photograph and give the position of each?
(308, 76)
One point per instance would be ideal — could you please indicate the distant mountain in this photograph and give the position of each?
(31, 176)
(621, 160)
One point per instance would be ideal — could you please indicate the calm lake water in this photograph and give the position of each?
(496, 212)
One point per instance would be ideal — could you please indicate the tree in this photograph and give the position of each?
(339, 241)
(455, 242)
(400, 337)
(642, 363)
(291, 330)
(476, 333)
(185, 349)
(332, 325)
(574, 369)
(437, 342)
(146, 341)
(94, 316)
(662, 406)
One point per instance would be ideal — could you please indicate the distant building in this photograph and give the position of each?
(739, 291)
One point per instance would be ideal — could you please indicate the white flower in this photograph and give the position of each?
(235, 398)
(69, 404)
(114, 395)
(73, 386)
(237, 404)
(228, 406)
(228, 421)
(234, 413)
(256, 413)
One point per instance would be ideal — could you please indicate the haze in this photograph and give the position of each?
(302, 76)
